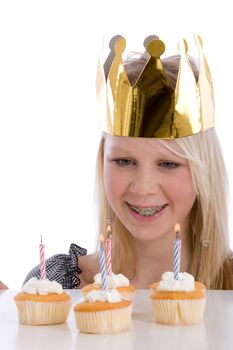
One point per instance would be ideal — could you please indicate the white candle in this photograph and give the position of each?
(177, 251)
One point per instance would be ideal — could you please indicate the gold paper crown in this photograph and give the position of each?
(151, 107)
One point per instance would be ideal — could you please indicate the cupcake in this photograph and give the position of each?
(42, 302)
(119, 282)
(103, 312)
(178, 302)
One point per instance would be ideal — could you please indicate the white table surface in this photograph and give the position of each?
(216, 331)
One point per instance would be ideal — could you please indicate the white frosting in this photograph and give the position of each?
(185, 283)
(111, 296)
(113, 281)
(35, 286)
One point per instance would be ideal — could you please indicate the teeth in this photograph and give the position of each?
(149, 211)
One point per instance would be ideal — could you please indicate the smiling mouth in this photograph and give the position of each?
(147, 211)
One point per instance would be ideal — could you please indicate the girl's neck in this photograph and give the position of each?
(153, 258)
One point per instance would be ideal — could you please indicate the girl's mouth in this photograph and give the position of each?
(147, 211)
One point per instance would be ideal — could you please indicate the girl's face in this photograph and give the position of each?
(148, 187)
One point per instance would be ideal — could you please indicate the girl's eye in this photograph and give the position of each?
(168, 164)
(123, 162)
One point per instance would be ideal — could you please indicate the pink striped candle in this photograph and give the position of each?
(108, 250)
(42, 260)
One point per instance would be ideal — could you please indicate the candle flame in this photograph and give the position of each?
(101, 239)
(177, 228)
(41, 241)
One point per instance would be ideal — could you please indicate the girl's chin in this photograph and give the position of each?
(145, 236)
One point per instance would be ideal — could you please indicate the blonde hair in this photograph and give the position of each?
(210, 261)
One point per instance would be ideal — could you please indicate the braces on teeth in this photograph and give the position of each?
(147, 211)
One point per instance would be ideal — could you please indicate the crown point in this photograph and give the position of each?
(148, 39)
(183, 47)
(120, 46)
(155, 48)
(198, 41)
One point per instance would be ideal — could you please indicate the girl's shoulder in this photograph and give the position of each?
(2, 285)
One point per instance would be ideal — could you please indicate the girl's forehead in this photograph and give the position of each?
(135, 144)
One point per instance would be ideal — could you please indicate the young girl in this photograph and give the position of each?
(154, 170)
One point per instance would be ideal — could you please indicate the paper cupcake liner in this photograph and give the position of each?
(43, 313)
(178, 312)
(103, 322)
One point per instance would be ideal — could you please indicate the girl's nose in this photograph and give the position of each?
(144, 182)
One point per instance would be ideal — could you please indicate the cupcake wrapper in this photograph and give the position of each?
(178, 312)
(103, 322)
(38, 313)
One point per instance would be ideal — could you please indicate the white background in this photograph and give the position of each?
(48, 125)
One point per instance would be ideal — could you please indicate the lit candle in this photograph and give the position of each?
(42, 260)
(108, 250)
(102, 264)
(177, 252)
